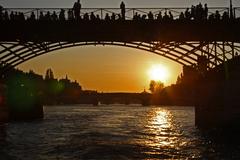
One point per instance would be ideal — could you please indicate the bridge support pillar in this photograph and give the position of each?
(18, 106)
(4, 113)
(217, 103)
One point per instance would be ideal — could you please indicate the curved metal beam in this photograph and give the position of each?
(151, 49)
(16, 62)
(11, 57)
(191, 52)
(178, 52)
(136, 45)
(183, 53)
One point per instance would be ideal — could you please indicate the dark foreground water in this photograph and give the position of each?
(111, 132)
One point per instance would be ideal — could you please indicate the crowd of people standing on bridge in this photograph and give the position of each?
(72, 14)
(195, 13)
(200, 13)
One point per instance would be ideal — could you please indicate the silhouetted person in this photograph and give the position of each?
(77, 9)
(62, 15)
(217, 15)
(41, 16)
(48, 16)
(107, 17)
(70, 15)
(86, 17)
(181, 16)
(98, 17)
(165, 17)
(92, 17)
(119, 16)
(225, 16)
(159, 17)
(150, 16)
(113, 17)
(12, 16)
(6, 16)
(54, 16)
(32, 17)
(193, 12)
(187, 14)
(199, 12)
(205, 11)
(136, 17)
(144, 17)
(123, 10)
(211, 17)
(170, 15)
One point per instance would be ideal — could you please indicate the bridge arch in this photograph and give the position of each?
(185, 53)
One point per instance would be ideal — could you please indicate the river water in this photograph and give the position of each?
(111, 132)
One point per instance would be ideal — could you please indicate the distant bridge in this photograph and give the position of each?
(181, 40)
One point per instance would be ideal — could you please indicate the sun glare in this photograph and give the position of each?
(158, 73)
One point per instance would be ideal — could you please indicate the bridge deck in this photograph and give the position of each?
(128, 30)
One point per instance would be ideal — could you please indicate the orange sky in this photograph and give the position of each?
(107, 69)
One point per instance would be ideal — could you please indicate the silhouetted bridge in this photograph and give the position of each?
(181, 40)
(200, 42)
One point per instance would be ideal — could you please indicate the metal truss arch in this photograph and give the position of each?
(185, 53)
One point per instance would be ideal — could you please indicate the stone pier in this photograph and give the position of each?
(18, 105)
(218, 98)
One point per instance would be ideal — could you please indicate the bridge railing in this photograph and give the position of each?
(102, 12)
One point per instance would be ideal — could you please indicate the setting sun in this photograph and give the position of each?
(158, 73)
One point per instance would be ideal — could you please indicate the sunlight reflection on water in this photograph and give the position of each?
(107, 132)
(160, 126)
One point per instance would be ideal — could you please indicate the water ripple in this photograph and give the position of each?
(110, 132)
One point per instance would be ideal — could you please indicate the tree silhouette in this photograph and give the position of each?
(156, 86)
